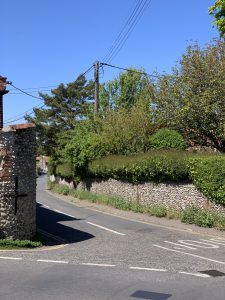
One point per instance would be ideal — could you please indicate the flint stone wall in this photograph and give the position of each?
(171, 195)
(18, 182)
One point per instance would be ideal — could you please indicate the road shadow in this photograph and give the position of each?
(49, 221)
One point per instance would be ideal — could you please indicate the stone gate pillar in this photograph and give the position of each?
(18, 181)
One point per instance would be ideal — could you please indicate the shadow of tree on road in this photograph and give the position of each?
(49, 221)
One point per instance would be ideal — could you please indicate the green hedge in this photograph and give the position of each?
(207, 172)
(154, 166)
(208, 175)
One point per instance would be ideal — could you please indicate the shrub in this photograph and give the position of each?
(158, 211)
(154, 166)
(65, 170)
(167, 138)
(208, 175)
(200, 217)
(188, 215)
(10, 244)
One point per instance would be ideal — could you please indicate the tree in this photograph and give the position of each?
(64, 108)
(218, 12)
(125, 90)
(191, 100)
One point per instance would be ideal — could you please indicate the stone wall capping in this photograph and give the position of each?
(18, 127)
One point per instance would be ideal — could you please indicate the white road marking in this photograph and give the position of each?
(61, 212)
(45, 206)
(13, 258)
(198, 244)
(42, 204)
(148, 269)
(105, 228)
(190, 254)
(53, 261)
(196, 274)
(214, 241)
(188, 247)
(98, 265)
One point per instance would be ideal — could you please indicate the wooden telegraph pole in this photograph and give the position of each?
(96, 80)
(3, 91)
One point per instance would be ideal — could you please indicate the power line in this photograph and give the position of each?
(35, 88)
(136, 15)
(25, 112)
(40, 89)
(130, 70)
(10, 120)
(14, 120)
(31, 92)
(130, 30)
(22, 91)
(116, 41)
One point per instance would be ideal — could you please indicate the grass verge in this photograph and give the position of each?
(189, 215)
(19, 244)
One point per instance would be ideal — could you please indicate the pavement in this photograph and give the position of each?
(103, 253)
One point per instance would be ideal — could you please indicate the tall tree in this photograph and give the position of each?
(67, 104)
(218, 12)
(192, 98)
(125, 90)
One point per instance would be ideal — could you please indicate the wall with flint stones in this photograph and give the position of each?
(171, 195)
(18, 182)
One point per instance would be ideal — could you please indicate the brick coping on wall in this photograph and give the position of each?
(16, 127)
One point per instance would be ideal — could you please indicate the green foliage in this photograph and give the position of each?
(65, 170)
(157, 211)
(155, 166)
(125, 90)
(167, 138)
(14, 244)
(200, 217)
(67, 104)
(51, 166)
(191, 100)
(208, 175)
(218, 12)
(121, 131)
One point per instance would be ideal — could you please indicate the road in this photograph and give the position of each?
(99, 255)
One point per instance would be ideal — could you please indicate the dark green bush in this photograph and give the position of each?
(208, 175)
(65, 170)
(166, 139)
(155, 166)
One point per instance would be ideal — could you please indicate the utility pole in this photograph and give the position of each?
(96, 80)
(3, 91)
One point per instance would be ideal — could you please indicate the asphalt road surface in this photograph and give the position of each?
(99, 255)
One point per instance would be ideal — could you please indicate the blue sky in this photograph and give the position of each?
(46, 42)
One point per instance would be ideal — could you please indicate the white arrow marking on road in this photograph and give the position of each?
(105, 228)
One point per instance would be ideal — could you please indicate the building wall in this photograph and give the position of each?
(18, 182)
